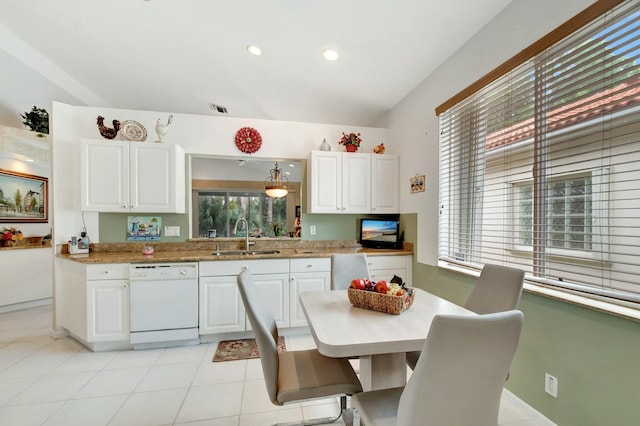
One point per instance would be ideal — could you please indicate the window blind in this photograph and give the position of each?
(540, 169)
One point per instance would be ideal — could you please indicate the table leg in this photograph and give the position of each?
(383, 371)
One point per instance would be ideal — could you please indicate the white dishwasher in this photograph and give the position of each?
(164, 304)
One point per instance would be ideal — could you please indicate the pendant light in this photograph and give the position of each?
(276, 183)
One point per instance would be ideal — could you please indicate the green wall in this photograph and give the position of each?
(330, 226)
(113, 226)
(595, 356)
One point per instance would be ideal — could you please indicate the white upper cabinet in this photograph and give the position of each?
(340, 182)
(356, 183)
(123, 176)
(385, 185)
(323, 181)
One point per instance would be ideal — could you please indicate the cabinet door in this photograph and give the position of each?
(274, 294)
(157, 178)
(385, 267)
(107, 310)
(299, 283)
(104, 179)
(221, 308)
(324, 182)
(384, 184)
(356, 183)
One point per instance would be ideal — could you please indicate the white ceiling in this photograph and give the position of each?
(180, 55)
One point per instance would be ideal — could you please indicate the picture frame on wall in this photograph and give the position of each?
(417, 184)
(23, 198)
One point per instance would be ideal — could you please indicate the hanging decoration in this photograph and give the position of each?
(248, 140)
(417, 183)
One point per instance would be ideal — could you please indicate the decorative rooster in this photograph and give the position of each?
(107, 132)
(162, 129)
(379, 149)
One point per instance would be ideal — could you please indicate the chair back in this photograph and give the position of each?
(266, 332)
(498, 289)
(459, 377)
(345, 267)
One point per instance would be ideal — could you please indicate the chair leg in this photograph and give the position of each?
(356, 418)
(344, 412)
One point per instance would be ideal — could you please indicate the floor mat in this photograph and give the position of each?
(231, 350)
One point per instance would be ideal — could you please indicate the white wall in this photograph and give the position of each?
(15, 146)
(207, 135)
(414, 125)
(27, 275)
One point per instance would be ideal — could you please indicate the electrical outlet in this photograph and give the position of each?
(171, 231)
(551, 385)
(312, 230)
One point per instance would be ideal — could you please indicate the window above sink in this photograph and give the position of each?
(226, 189)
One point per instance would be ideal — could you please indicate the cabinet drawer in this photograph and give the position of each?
(108, 271)
(387, 262)
(234, 267)
(312, 264)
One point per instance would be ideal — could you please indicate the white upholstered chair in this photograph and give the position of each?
(347, 266)
(294, 375)
(498, 289)
(458, 379)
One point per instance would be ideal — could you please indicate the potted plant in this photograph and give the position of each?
(350, 141)
(37, 120)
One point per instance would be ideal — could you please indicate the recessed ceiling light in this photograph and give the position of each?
(330, 55)
(254, 50)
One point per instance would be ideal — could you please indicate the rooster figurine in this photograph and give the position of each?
(161, 129)
(107, 132)
(379, 149)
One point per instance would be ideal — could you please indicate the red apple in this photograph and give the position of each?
(382, 287)
(357, 283)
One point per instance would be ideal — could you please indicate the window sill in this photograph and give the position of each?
(593, 303)
(626, 310)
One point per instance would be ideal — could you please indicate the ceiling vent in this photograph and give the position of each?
(218, 108)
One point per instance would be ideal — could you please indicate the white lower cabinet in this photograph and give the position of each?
(279, 283)
(385, 267)
(221, 308)
(108, 310)
(311, 274)
(92, 302)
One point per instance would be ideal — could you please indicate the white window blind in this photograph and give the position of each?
(540, 169)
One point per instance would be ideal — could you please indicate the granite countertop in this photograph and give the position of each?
(196, 251)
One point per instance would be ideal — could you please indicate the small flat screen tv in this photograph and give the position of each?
(380, 233)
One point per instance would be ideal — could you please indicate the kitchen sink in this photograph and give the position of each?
(244, 252)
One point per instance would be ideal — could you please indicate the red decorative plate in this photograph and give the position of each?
(248, 140)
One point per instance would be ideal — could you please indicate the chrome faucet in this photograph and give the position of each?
(246, 236)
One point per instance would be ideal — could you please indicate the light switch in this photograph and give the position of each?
(171, 231)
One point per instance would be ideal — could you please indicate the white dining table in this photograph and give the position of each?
(380, 340)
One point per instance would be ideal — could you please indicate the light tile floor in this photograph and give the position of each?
(44, 381)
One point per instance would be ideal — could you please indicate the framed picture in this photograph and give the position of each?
(417, 184)
(23, 197)
(297, 211)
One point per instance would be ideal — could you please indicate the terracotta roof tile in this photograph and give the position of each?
(614, 99)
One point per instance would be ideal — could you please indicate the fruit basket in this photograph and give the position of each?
(381, 302)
